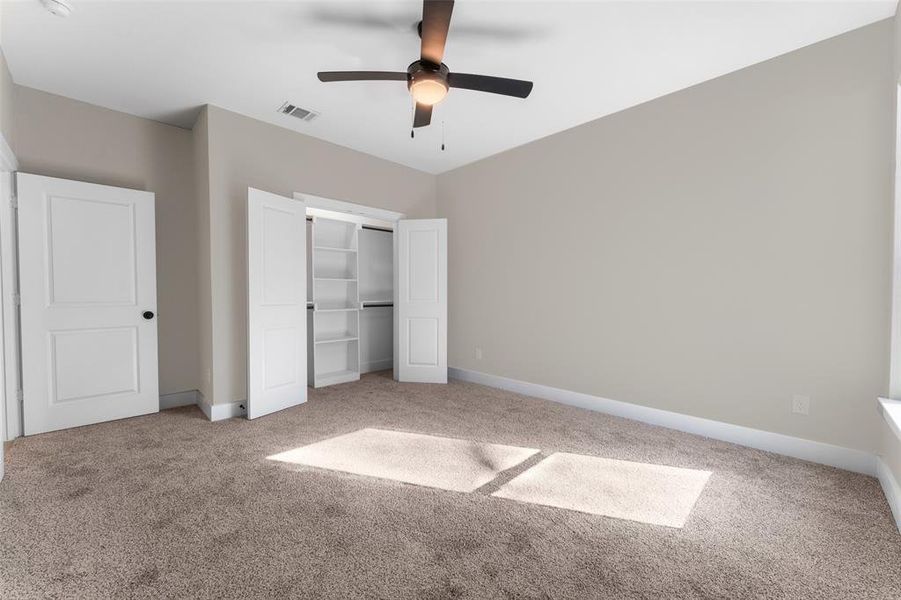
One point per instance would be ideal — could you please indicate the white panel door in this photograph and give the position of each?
(420, 301)
(87, 269)
(276, 303)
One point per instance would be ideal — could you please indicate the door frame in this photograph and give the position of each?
(366, 216)
(10, 412)
(347, 211)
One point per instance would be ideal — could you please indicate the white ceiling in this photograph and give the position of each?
(162, 60)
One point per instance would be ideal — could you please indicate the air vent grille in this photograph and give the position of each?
(297, 112)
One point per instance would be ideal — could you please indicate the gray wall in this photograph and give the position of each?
(60, 137)
(712, 252)
(244, 152)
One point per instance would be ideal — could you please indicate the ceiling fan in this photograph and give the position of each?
(429, 79)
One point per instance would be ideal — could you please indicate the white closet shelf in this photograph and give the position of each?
(331, 338)
(334, 307)
(324, 379)
(334, 269)
(334, 249)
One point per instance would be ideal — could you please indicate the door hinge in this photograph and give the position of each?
(20, 396)
(14, 202)
(17, 299)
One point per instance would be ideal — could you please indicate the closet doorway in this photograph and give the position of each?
(376, 293)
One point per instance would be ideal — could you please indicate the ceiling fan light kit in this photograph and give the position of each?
(427, 82)
(429, 79)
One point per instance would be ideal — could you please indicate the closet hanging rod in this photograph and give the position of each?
(374, 228)
(376, 304)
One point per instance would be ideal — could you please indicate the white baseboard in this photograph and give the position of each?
(213, 412)
(818, 452)
(891, 488)
(177, 399)
(205, 408)
(220, 412)
(376, 365)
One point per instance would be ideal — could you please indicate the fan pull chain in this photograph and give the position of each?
(442, 136)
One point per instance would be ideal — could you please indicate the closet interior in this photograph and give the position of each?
(350, 296)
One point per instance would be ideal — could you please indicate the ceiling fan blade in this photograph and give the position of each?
(323, 14)
(423, 115)
(361, 76)
(436, 16)
(494, 85)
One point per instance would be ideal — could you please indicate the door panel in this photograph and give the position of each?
(279, 262)
(423, 269)
(423, 334)
(111, 228)
(281, 357)
(420, 302)
(110, 368)
(276, 303)
(87, 274)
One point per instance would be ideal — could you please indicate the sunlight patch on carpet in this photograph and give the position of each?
(427, 460)
(648, 493)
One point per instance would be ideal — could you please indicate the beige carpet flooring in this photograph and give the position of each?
(172, 506)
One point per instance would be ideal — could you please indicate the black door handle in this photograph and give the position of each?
(148, 314)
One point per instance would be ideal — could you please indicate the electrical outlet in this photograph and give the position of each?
(801, 405)
(478, 354)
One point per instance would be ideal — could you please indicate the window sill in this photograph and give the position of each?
(891, 411)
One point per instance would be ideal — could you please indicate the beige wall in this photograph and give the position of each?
(244, 152)
(895, 367)
(712, 252)
(890, 450)
(204, 284)
(60, 137)
(897, 47)
(6, 103)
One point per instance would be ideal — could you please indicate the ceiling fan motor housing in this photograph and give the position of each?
(422, 70)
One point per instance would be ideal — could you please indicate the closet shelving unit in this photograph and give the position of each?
(336, 301)
(350, 304)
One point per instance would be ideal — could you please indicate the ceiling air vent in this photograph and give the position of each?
(295, 111)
